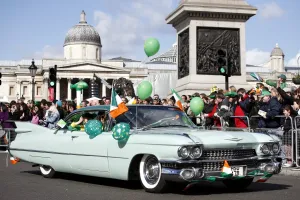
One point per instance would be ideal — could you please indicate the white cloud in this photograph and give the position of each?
(270, 10)
(294, 61)
(123, 34)
(49, 52)
(257, 57)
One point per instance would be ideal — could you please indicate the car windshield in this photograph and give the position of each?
(154, 117)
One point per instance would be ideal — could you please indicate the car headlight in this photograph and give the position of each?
(275, 148)
(265, 149)
(196, 152)
(183, 152)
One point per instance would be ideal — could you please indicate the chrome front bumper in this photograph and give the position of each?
(190, 171)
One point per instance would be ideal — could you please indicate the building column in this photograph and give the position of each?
(18, 89)
(103, 90)
(58, 89)
(69, 89)
(45, 89)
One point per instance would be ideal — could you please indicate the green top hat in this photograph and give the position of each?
(212, 95)
(282, 76)
(231, 94)
(265, 93)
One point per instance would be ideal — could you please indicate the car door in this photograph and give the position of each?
(86, 155)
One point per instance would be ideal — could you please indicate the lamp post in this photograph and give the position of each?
(32, 70)
(17, 96)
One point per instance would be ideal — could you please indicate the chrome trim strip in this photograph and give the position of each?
(205, 161)
(60, 153)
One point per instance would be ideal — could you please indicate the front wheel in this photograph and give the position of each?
(240, 184)
(150, 175)
(47, 171)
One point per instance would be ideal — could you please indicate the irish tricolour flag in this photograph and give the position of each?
(177, 99)
(117, 106)
(226, 170)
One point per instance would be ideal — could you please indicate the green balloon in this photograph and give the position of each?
(121, 131)
(93, 128)
(144, 90)
(151, 46)
(197, 105)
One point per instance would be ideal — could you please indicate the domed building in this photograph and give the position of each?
(82, 59)
(83, 42)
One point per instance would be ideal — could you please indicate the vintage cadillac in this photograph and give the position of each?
(164, 146)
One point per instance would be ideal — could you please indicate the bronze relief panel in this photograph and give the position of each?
(209, 41)
(183, 54)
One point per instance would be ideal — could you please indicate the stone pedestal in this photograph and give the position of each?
(203, 27)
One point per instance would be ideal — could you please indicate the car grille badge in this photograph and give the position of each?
(234, 139)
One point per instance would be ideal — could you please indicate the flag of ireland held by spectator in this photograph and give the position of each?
(226, 170)
(117, 106)
(177, 99)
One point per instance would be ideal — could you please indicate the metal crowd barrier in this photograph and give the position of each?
(287, 138)
(290, 139)
(224, 127)
(7, 135)
(297, 141)
(6, 138)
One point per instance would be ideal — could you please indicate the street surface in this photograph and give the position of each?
(21, 181)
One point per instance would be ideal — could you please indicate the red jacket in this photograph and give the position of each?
(239, 122)
(217, 121)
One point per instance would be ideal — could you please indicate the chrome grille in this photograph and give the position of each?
(217, 166)
(224, 154)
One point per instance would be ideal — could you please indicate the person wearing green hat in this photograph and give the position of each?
(281, 78)
(227, 105)
(269, 109)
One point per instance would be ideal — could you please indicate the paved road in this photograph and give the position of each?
(21, 181)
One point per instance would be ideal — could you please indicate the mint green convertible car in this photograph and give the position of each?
(164, 146)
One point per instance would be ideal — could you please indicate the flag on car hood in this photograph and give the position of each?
(177, 99)
(117, 106)
(226, 170)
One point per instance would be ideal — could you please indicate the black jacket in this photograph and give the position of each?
(287, 100)
(273, 109)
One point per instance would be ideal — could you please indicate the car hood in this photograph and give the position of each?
(218, 139)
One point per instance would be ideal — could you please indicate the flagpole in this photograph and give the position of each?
(136, 118)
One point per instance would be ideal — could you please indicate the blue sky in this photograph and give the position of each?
(36, 28)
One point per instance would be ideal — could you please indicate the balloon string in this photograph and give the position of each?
(143, 62)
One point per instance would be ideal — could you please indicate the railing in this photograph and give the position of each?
(290, 139)
(6, 136)
(297, 139)
(287, 138)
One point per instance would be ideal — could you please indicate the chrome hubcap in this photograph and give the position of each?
(46, 168)
(151, 170)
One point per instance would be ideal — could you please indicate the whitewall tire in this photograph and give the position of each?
(150, 174)
(47, 171)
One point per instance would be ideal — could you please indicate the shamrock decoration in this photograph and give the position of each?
(121, 131)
